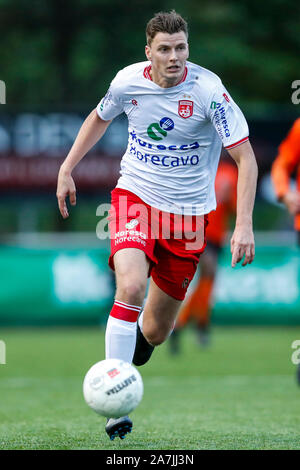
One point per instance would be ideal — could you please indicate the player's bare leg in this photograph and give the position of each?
(131, 268)
(159, 315)
(197, 306)
(156, 322)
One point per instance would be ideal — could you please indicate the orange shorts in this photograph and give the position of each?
(173, 243)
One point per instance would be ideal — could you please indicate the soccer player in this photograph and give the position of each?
(179, 114)
(286, 163)
(198, 305)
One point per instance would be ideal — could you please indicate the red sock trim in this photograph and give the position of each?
(125, 312)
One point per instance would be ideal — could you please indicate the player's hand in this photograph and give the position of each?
(65, 187)
(242, 244)
(292, 201)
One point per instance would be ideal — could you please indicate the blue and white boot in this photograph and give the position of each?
(118, 427)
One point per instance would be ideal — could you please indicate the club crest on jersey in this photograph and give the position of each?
(185, 108)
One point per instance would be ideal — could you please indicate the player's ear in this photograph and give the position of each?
(148, 52)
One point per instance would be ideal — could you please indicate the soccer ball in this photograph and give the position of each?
(113, 388)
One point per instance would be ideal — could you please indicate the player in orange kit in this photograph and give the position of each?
(286, 163)
(198, 304)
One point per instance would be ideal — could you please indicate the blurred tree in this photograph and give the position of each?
(66, 53)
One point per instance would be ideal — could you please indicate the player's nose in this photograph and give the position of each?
(173, 55)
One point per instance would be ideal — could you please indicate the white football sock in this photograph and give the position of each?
(120, 339)
(140, 321)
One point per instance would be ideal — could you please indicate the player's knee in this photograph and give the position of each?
(132, 291)
(155, 337)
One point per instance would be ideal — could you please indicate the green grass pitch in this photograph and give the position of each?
(241, 393)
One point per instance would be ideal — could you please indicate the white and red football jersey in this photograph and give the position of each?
(175, 136)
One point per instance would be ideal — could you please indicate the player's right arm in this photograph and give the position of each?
(285, 163)
(90, 132)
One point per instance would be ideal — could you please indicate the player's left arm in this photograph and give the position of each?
(242, 241)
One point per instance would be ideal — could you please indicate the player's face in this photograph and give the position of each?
(168, 54)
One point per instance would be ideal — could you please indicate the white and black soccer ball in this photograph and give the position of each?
(113, 388)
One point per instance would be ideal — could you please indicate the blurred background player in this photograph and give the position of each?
(285, 165)
(197, 307)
